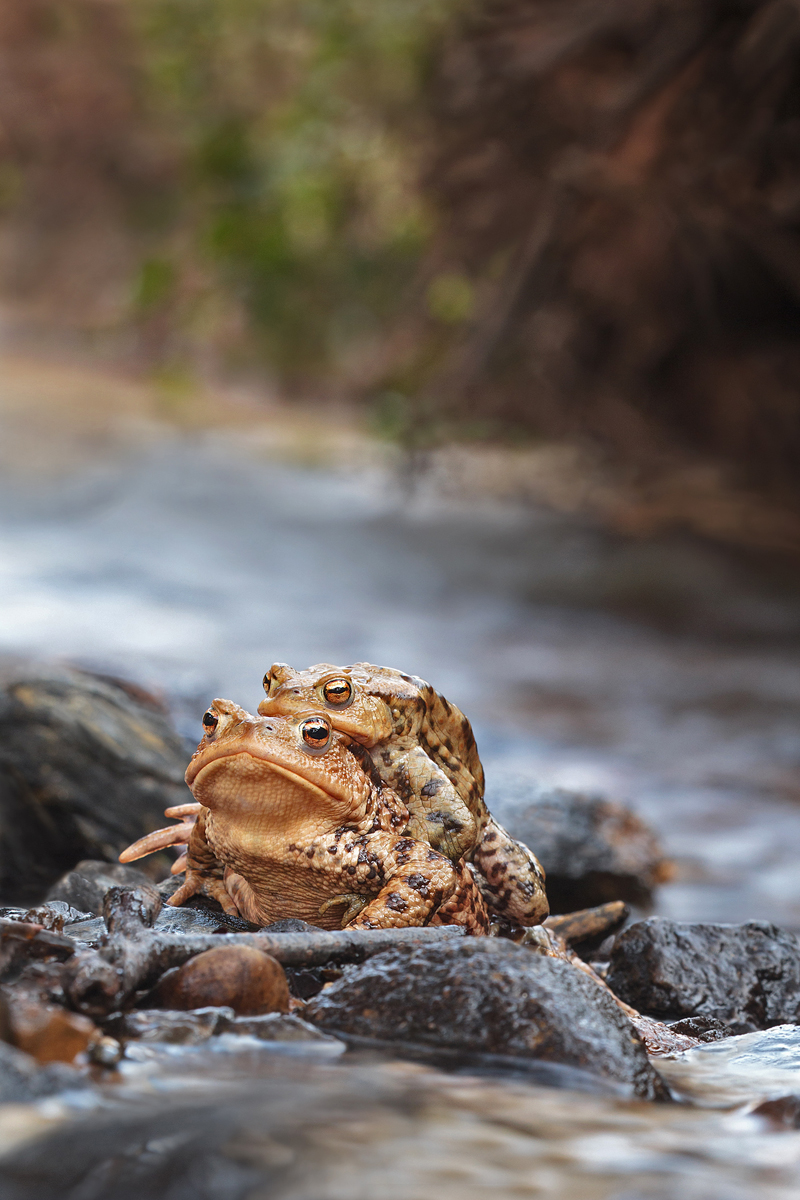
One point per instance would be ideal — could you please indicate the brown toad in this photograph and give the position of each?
(423, 747)
(290, 824)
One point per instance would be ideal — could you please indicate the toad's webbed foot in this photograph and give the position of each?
(243, 899)
(198, 883)
(352, 903)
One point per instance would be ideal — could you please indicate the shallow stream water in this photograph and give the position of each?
(664, 673)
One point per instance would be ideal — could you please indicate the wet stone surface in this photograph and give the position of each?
(746, 976)
(162, 1025)
(86, 766)
(488, 997)
(278, 1027)
(85, 886)
(592, 849)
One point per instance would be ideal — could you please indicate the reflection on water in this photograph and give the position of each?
(665, 673)
(255, 1124)
(750, 1068)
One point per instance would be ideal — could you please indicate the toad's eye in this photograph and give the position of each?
(210, 721)
(267, 682)
(316, 733)
(338, 691)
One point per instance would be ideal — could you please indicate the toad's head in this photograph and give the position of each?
(273, 770)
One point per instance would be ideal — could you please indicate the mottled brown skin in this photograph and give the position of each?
(423, 747)
(287, 829)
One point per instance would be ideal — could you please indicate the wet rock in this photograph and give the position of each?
(45, 1031)
(241, 977)
(279, 1027)
(704, 1029)
(198, 915)
(23, 1079)
(290, 925)
(592, 849)
(55, 914)
(87, 932)
(129, 910)
(309, 981)
(176, 1028)
(745, 976)
(85, 887)
(782, 1113)
(488, 996)
(87, 765)
(105, 1051)
(186, 919)
(22, 942)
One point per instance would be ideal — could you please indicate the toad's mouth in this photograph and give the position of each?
(228, 775)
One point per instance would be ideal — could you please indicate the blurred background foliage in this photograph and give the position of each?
(505, 219)
(235, 180)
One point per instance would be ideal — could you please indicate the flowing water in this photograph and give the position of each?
(665, 673)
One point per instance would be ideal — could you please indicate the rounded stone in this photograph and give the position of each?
(239, 977)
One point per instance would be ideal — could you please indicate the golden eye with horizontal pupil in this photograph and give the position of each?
(316, 733)
(267, 680)
(210, 722)
(338, 691)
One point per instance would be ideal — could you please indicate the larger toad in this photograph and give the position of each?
(423, 747)
(290, 824)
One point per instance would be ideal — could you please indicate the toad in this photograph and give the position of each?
(293, 821)
(423, 747)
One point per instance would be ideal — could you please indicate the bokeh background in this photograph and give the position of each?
(457, 335)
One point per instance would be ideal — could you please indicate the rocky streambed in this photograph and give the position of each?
(596, 669)
(146, 1050)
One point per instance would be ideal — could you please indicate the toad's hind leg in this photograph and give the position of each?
(439, 816)
(510, 876)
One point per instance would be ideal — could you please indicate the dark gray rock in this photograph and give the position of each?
(200, 914)
(290, 925)
(85, 887)
(304, 982)
(746, 976)
(87, 765)
(488, 996)
(55, 914)
(705, 1029)
(592, 849)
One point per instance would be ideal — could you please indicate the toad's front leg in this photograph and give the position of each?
(414, 880)
(204, 872)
